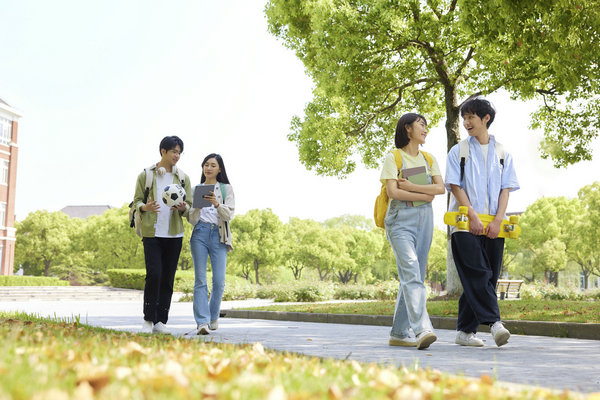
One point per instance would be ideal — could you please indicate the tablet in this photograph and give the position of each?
(199, 192)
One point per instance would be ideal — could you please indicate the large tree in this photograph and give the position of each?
(586, 231)
(43, 240)
(258, 236)
(373, 60)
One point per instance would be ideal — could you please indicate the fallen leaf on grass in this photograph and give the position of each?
(277, 393)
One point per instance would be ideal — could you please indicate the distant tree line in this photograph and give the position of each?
(558, 234)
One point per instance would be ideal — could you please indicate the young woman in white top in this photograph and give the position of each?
(211, 237)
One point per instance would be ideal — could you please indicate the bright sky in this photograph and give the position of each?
(101, 83)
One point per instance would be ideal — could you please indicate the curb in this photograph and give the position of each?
(535, 328)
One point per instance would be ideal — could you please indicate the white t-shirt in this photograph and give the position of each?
(484, 149)
(210, 214)
(164, 214)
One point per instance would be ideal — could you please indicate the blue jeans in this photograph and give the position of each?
(409, 231)
(205, 243)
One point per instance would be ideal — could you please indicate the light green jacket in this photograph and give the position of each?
(149, 218)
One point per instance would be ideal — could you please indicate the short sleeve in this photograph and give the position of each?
(390, 170)
(435, 168)
(452, 168)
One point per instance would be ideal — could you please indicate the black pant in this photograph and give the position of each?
(162, 255)
(478, 261)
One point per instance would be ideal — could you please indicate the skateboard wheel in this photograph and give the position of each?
(463, 210)
(514, 219)
(513, 235)
(461, 225)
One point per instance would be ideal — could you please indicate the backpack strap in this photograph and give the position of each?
(181, 176)
(464, 154)
(398, 159)
(500, 152)
(223, 191)
(149, 176)
(428, 158)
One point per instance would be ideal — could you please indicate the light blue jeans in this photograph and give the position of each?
(409, 231)
(205, 243)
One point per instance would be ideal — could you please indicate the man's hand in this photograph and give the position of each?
(151, 205)
(179, 207)
(493, 229)
(475, 224)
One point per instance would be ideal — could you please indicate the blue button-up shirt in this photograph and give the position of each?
(483, 189)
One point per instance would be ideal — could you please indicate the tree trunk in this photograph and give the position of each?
(453, 285)
(256, 266)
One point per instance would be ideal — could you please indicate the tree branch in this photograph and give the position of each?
(436, 12)
(452, 6)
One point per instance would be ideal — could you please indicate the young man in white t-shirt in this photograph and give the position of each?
(162, 233)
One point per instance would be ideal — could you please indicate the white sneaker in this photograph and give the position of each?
(406, 341)
(214, 325)
(160, 328)
(202, 330)
(147, 327)
(468, 339)
(424, 339)
(500, 333)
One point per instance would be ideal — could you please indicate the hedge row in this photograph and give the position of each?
(237, 288)
(540, 291)
(18, 280)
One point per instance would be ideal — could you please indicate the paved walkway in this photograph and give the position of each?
(556, 363)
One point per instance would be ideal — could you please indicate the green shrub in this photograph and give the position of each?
(280, 293)
(544, 291)
(18, 280)
(354, 292)
(236, 288)
(313, 292)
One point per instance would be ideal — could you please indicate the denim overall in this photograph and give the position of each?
(409, 231)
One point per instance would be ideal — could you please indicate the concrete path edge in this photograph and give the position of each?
(536, 328)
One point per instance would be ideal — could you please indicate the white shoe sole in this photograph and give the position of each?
(402, 343)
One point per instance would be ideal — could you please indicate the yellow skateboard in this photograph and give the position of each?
(509, 229)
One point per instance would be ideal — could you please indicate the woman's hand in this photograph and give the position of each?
(212, 198)
(405, 184)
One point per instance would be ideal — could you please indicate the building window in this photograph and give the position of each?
(4, 172)
(5, 131)
(2, 214)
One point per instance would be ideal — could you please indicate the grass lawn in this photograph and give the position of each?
(45, 359)
(527, 310)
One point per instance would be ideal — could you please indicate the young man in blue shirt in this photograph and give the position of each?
(482, 184)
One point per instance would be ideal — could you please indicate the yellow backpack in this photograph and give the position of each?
(382, 201)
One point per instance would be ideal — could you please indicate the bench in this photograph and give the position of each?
(506, 288)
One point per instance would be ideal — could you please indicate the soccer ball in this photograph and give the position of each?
(173, 195)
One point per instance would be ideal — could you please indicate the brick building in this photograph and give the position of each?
(8, 182)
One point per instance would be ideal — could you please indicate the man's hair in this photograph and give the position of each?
(401, 138)
(480, 107)
(170, 142)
